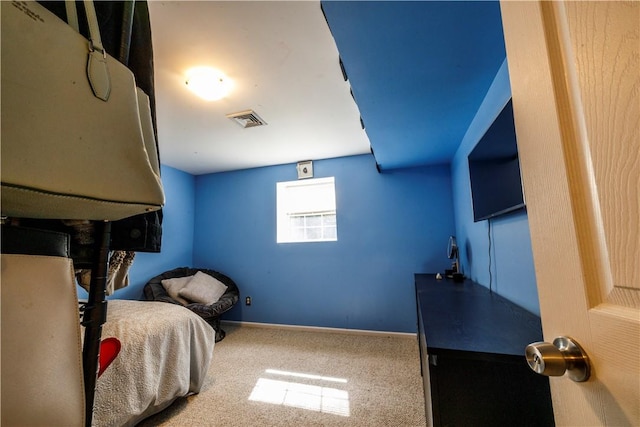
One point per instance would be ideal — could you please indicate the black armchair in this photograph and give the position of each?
(155, 291)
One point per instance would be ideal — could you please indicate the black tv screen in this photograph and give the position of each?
(494, 170)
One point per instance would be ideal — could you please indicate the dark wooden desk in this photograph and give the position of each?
(472, 346)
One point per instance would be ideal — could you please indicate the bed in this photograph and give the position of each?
(165, 353)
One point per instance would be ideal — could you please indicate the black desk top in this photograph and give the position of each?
(467, 317)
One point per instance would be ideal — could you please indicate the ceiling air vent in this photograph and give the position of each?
(247, 119)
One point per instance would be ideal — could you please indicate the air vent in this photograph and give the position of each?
(247, 119)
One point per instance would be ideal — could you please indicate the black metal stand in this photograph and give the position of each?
(95, 315)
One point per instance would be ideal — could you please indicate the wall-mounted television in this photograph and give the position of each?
(494, 170)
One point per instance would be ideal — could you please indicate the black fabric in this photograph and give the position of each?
(140, 233)
(154, 291)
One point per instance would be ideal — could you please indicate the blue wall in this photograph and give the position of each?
(177, 235)
(390, 226)
(512, 270)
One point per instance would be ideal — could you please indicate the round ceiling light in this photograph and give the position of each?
(208, 83)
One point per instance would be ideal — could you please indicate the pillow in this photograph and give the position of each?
(173, 287)
(203, 288)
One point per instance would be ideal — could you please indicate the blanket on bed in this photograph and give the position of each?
(166, 352)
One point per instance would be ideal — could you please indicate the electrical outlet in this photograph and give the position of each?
(247, 300)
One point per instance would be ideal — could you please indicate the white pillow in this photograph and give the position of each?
(173, 287)
(203, 288)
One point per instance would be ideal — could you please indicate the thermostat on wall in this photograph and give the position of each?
(305, 169)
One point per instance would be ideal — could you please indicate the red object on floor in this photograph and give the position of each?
(109, 349)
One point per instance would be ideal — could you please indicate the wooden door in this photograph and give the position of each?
(575, 79)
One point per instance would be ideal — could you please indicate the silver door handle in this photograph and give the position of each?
(564, 355)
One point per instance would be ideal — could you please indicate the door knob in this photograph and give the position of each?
(564, 355)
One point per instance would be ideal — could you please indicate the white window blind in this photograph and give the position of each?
(306, 210)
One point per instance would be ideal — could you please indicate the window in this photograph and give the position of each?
(306, 211)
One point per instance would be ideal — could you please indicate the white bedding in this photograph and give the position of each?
(166, 352)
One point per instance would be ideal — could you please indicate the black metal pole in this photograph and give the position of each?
(95, 315)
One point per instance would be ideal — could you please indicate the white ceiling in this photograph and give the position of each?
(284, 64)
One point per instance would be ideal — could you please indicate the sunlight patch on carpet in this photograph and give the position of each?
(305, 396)
(308, 376)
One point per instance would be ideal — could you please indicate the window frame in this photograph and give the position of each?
(286, 230)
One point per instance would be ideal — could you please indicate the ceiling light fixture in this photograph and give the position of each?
(208, 83)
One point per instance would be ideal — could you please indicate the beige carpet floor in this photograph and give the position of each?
(287, 377)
